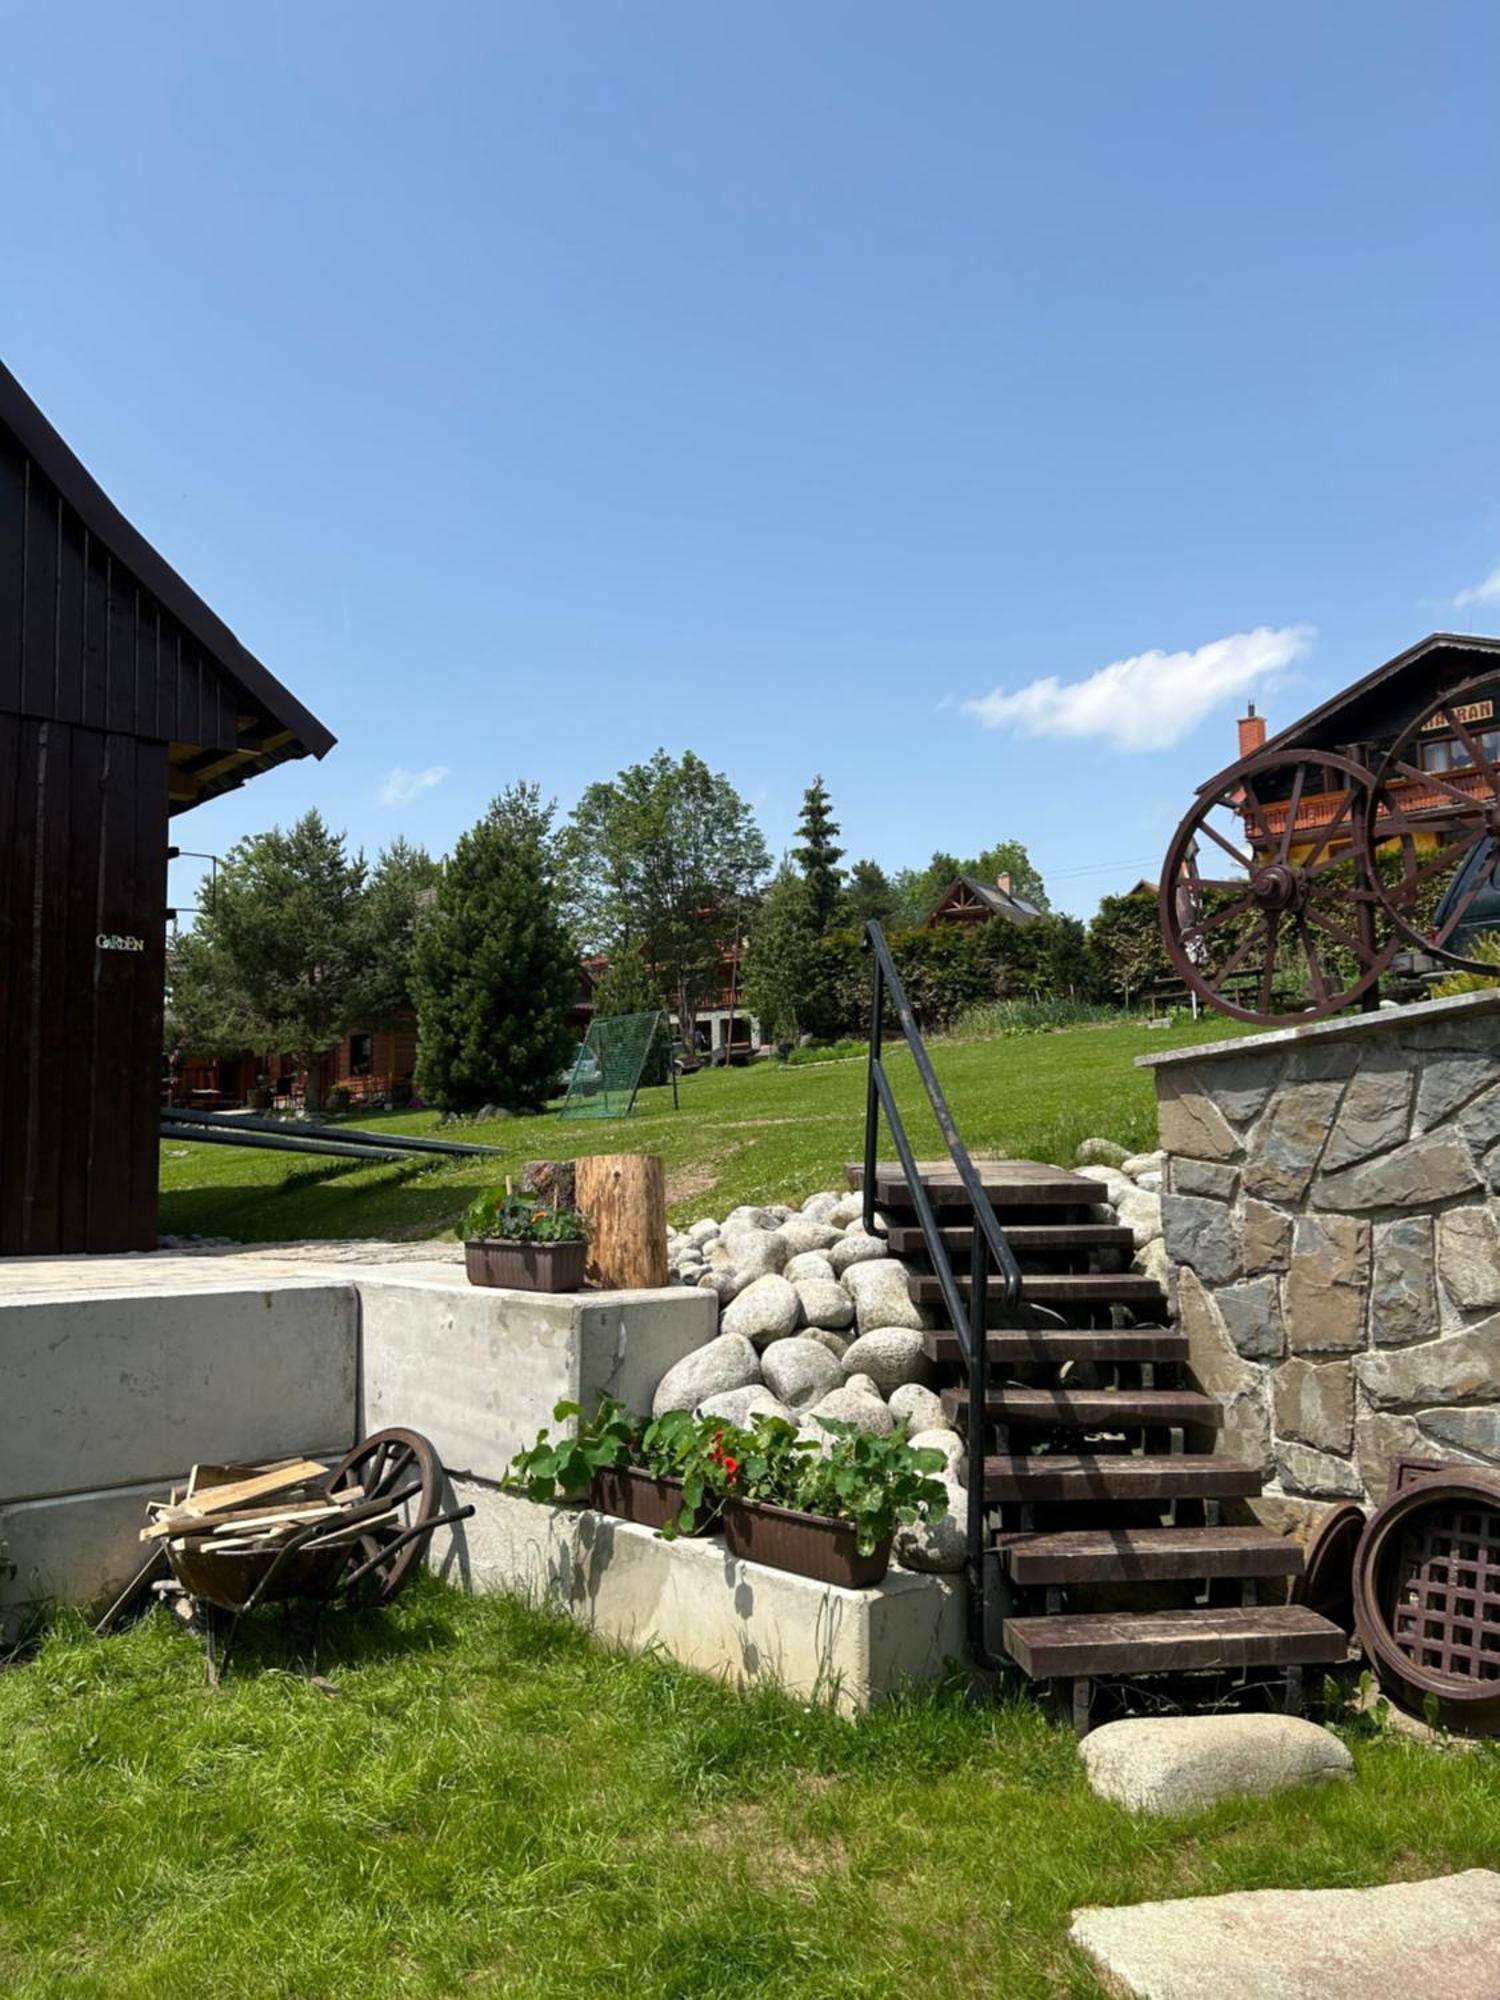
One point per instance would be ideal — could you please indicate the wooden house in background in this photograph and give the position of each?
(967, 901)
(124, 700)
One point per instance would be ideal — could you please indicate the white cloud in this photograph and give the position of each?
(1487, 592)
(1150, 701)
(401, 787)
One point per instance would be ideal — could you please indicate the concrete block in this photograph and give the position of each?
(116, 1387)
(480, 1371)
(740, 1621)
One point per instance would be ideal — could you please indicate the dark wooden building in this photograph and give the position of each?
(123, 701)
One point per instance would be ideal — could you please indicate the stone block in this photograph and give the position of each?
(1203, 1235)
(1403, 1293)
(1474, 1431)
(1266, 1233)
(120, 1386)
(1468, 1249)
(1379, 1440)
(1305, 1470)
(1457, 1368)
(1210, 1178)
(1239, 1388)
(1189, 1121)
(1241, 1085)
(1314, 1403)
(1432, 1168)
(479, 1371)
(1289, 1140)
(1251, 1312)
(1480, 1121)
(1181, 1763)
(1375, 1113)
(1327, 1283)
(1450, 1077)
(1409, 1938)
(689, 1599)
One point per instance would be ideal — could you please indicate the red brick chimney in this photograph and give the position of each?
(1252, 732)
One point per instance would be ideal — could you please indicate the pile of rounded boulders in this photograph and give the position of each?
(1132, 1184)
(816, 1320)
(1179, 1763)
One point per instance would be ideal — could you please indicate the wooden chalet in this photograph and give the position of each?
(124, 700)
(967, 901)
(1362, 722)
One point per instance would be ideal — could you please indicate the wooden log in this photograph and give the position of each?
(623, 1199)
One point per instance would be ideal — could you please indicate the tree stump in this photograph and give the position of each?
(623, 1199)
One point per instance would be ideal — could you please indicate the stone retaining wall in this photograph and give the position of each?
(1331, 1211)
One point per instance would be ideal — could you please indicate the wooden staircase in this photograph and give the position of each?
(1102, 1484)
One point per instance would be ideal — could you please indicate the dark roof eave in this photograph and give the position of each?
(103, 518)
(1305, 728)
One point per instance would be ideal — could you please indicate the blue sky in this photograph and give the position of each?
(823, 387)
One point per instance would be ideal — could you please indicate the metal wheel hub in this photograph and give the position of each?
(1276, 888)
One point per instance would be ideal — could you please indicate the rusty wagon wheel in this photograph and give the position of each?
(1435, 799)
(1267, 908)
(391, 1463)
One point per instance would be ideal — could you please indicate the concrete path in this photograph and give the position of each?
(1410, 1941)
(244, 1263)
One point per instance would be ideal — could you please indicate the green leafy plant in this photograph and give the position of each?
(1485, 948)
(519, 1218)
(676, 1446)
(876, 1483)
(603, 1442)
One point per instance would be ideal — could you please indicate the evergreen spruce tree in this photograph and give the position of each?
(869, 895)
(818, 857)
(495, 968)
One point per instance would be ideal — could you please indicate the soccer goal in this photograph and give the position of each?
(619, 1055)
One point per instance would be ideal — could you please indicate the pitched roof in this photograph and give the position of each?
(998, 902)
(60, 464)
(1362, 713)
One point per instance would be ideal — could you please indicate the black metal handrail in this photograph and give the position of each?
(991, 1254)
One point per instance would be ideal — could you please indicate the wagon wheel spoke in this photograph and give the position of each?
(1461, 908)
(1224, 916)
(1240, 860)
(1336, 932)
(1477, 758)
(1434, 779)
(1236, 959)
(1268, 971)
(1298, 785)
(1314, 964)
(1320, 845)
(384, 1464)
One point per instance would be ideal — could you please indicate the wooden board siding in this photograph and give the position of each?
(81, 641)
(82, 856)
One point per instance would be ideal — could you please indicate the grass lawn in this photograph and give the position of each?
(759, 1134)
(491, 1806)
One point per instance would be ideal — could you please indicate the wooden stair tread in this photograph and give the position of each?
(1051, 1346)
(1027, 1239)
(1125, 1555)
(1172, 1641)
(1095, 1409)
(1119, 1476)
(1019, 1183)
(1049, 1288)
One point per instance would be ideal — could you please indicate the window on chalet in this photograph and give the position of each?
(361, 1055)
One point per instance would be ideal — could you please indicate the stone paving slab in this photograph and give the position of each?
(1410, 1939)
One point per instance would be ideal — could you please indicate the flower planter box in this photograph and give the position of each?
(525, 1267)
(811, 1544)
(633, 1494)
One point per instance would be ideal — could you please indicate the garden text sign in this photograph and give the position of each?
(115, 941)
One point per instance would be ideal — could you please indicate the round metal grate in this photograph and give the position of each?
(1445, 1609)
(1427, 1595)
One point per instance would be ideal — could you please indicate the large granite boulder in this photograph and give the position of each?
(1178, 1763)
(729, 1362)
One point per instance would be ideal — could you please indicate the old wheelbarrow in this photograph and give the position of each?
(244, 1536)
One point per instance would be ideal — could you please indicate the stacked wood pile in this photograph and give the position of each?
(236, 1510)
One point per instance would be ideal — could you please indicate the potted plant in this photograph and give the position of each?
(652, 1473)
(828, 1512)
(512, 1239)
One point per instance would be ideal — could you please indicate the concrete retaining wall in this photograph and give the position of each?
(740, 1621)
(110, 1395)
(1332, 1211)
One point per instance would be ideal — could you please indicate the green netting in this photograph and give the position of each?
(612, 1065)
